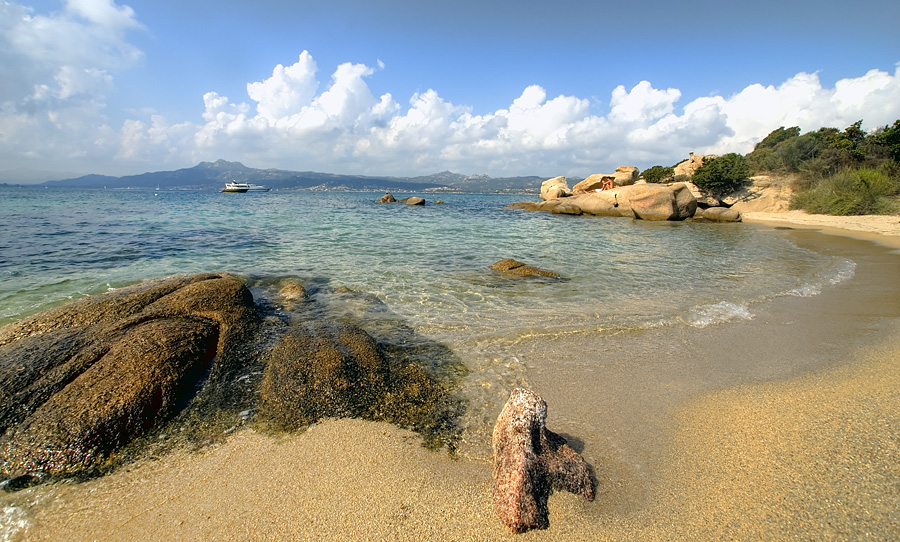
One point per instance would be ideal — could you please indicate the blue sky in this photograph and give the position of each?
(409, 88)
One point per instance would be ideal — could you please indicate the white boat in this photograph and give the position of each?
(244, 187)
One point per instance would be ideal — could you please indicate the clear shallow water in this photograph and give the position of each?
(427, 267)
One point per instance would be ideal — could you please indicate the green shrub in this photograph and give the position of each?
(723, 175)
(850, 192)
(659, 174)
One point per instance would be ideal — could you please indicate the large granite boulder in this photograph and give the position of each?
(78, 381)
(555, 188)
(625, 175)
(530, 462)
(386, 198)
(595, 182)
(642, 201)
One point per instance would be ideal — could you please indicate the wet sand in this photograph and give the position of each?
(783, 427)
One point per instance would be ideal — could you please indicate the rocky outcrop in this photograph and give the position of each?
(595, 182)
(644, 201)
(515, 268)
(387, 198)
(530, 462)
(689, 166)
(81, 380)
(413, 200)
(555, 188)
(764, 193)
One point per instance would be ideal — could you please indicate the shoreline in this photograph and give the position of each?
(790, 456)
(881, 229)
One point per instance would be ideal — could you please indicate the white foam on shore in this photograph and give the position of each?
(12, 522)
(840, 272)
(718, 313)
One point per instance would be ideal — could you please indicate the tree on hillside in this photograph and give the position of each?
(722, 175)
(777, 136)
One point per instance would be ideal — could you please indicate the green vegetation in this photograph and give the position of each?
(839, 172)
(722, 175)
(659, 174)
(861, 191)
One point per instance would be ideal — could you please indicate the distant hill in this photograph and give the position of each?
(214, 175)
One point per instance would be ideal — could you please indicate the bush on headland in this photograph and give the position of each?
(861, 191)
(845, 172)
(837, 172)
(722, 175)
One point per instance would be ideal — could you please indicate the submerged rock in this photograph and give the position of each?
(530, 462)
(515, 268)
(324, 369)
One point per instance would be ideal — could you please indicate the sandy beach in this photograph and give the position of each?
(783, 427)
(884, 229)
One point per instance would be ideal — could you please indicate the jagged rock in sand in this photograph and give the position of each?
(515, 268)
(555, 188)
(530, 462)
(387, 198)
(719, 214)
(81, 380)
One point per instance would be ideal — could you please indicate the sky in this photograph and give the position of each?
(410, 88)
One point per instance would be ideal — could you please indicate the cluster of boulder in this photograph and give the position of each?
(411, 200)
(624, 194)
(80, 382)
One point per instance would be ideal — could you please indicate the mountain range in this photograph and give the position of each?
(214, 175)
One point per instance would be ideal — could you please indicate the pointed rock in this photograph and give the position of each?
(530, 462)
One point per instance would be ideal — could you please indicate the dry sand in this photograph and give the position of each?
(814, 455)
(884, 229)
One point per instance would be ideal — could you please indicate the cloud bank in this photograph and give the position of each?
(57, 74)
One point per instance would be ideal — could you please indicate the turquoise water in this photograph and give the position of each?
(428, 264)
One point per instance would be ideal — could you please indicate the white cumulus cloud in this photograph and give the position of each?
(56, 74)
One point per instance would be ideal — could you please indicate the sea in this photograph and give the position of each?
(423, 268)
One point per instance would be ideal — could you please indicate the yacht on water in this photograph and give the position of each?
(244, 187)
